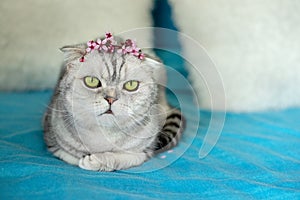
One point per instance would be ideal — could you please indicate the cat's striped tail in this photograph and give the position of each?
(171, 132)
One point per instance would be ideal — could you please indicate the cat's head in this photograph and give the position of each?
(109, 89)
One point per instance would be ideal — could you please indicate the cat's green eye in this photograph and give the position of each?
(131, 86)
(92, 82)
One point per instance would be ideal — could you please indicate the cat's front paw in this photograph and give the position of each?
(95, 163)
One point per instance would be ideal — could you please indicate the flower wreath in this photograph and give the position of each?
(108, 44)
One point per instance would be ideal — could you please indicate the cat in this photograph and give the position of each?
(109, 111)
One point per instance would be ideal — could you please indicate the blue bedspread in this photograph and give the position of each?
(256, 157)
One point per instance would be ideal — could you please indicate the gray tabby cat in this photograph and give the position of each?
(110, 111)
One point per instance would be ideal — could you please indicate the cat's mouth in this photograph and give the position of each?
(109, 111)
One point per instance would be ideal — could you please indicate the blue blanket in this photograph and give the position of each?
(256, 157)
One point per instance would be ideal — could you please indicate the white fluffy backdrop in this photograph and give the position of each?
(32, 31)
(255, 45)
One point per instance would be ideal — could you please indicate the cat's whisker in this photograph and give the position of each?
(144, 120)
(56, 110)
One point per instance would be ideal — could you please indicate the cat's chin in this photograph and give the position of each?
(107, 120)
(111, 120)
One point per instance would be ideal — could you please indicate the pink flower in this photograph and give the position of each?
(81, 59)
(111, 48)
(128, 42)
(92, 46)
(135, 51)
(111, 45)
(108, 44)
(141, 56)
(102, 44)
(109, 36)
(124, 49)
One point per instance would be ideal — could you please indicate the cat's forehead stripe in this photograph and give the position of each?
(113, 66)
(121, 66)
(106, 65)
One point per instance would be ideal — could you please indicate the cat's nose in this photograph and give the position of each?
(110, 99)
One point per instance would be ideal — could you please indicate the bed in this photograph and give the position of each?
(256, 157)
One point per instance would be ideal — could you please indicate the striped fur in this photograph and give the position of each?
(170, 133)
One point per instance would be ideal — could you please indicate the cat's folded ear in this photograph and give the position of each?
(72, 52)
(153, 60)
(158, 69)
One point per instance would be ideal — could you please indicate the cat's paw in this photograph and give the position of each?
(96, 163)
